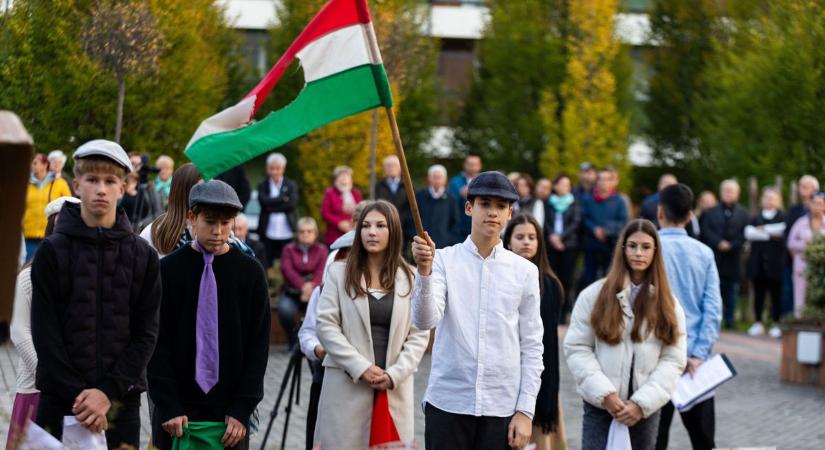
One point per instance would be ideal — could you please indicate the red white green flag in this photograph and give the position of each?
(344, 75)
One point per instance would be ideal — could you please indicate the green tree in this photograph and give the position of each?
(521, 55)
(583, 120)
(64, 98)
(409, 58)
(762, 111)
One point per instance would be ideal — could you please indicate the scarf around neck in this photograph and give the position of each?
(561, 203)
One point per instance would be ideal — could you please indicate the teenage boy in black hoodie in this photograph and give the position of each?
(213, 344)
(95, 301)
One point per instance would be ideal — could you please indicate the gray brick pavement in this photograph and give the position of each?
(753, 410)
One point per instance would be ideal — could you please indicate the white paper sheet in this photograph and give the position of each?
(75, 435)
(702, 385)
(36, 438)
(619, 437)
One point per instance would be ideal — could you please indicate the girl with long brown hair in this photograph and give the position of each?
(524, 236)
(168, 232)
(626, 343)
(365, 325)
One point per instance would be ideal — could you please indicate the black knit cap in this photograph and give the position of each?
(492, 184)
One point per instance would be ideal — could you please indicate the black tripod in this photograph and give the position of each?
(292, 376)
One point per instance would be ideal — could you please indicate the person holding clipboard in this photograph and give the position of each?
(691, 271)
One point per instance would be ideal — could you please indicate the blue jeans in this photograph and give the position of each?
(729, 287)
(596, 265)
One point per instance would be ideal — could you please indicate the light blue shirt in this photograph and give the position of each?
(694, 280)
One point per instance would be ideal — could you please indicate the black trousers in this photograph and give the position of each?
(274, 249)
(448, 431)
(123, 418)
(314, 398)
(564, 266)
(700, 423)
(761, 287)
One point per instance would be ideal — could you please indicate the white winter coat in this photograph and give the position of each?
(601, 369)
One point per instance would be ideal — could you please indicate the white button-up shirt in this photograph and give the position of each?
(487, 359)
(278, 228)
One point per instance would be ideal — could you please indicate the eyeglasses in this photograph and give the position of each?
(636, 248)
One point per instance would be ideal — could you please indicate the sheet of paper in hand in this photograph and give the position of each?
(699, 387)
(75, 435)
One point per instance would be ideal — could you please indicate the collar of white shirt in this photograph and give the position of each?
(472, 248)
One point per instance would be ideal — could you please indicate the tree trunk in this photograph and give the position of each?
(373, 151)
(121, 94)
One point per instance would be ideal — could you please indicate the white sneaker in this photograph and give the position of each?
(756, 329)
(775, 332)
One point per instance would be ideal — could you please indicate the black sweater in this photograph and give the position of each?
(95, 301)
(243, 331)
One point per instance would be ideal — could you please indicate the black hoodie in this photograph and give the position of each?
(95, 305)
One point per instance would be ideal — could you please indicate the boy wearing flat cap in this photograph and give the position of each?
(213, 343)
(484, 301)
(95, 300)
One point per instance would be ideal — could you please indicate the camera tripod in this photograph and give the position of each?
(292, 377)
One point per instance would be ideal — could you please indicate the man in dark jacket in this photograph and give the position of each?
(95, 302)
(604, 215)
(723, 230)
(649, 205)
(392, 189)
(278, 196)
(439, 210)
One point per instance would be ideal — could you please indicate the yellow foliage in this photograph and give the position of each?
(589, 126)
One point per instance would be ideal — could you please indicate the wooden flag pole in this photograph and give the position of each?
(405, 172)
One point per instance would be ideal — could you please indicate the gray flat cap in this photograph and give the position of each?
(215, 193)
(106, 149)
(492, 184)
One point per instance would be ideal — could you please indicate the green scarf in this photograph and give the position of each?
(201, 436)
(561, 203)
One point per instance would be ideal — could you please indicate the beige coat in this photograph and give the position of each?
(601, 369)
(345, 407)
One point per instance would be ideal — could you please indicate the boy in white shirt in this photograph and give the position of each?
(484, 299)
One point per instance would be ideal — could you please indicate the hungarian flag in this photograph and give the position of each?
(382, 427)
(344, 75)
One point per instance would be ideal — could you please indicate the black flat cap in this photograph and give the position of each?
(214, 193)
(492, 184)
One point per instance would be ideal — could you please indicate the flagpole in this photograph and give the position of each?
(405, 172)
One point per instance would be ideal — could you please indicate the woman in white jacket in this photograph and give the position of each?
(365, 325)
(626, 342)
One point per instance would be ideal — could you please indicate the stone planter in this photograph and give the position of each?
(799, 341)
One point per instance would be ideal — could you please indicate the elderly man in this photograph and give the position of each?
(241, 231)
(392, 189)
(278, 196)
(439, 210)
(649, 205)
(723, 230)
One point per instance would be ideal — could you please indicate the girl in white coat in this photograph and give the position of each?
(365, 325)
(626, 342)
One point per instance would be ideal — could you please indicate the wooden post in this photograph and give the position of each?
(15, 158)
(405, 172)
(373, 151)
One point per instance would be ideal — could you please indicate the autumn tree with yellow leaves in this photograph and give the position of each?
(583, 120)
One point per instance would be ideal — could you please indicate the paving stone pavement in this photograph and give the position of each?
(752, 410)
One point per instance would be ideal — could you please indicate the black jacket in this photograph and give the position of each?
(243, 338)
(399, 200)
(95, 304)
(718, 226)
(547, 401)
(286, 202)
(570, 228)
(767, 257)
(439, 217)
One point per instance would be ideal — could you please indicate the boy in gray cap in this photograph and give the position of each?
(95, 300)
(213, 344)
(484, 301)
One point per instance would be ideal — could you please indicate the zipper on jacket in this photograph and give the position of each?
(99, 306)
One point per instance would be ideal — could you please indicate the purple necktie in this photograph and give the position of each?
(206, 326)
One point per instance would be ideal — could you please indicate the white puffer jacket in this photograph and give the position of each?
(601, 369)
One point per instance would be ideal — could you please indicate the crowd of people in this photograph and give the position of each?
(150, 280)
